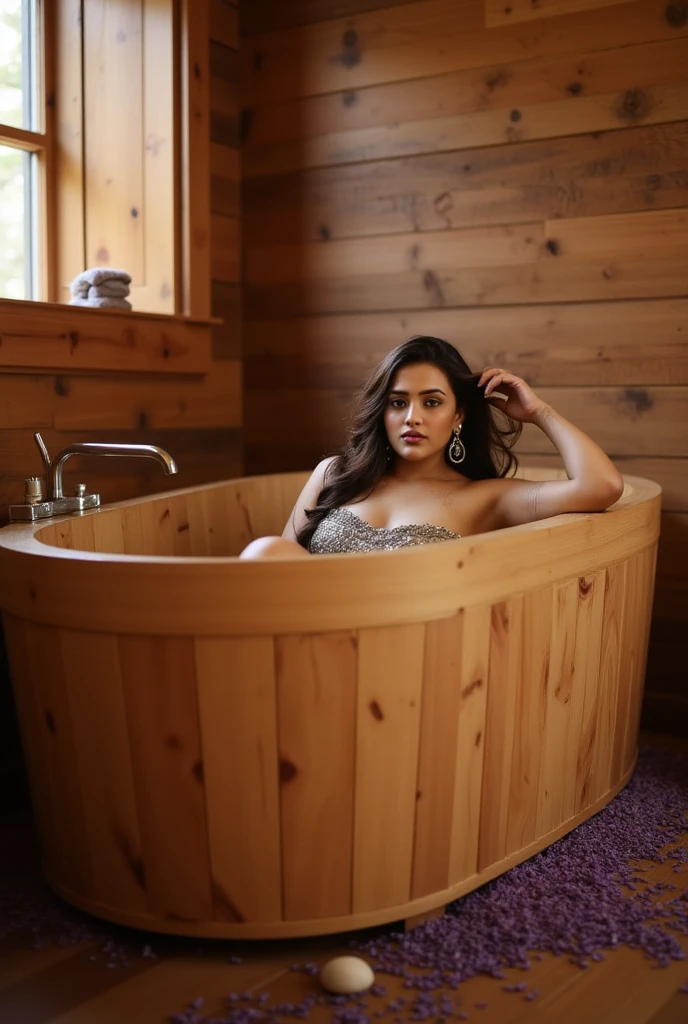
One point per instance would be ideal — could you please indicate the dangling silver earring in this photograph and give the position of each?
(457, 451)
(388, 449)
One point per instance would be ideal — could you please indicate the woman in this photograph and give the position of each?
(426, 461)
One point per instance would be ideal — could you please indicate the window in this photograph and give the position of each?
(24, 147)
(104, 150)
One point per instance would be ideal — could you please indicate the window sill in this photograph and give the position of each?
(53, 336)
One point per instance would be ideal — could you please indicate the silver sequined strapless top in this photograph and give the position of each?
(342, 531)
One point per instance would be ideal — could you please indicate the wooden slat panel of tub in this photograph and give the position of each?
(181, 525)
(529, 720)
(159, 681)
(263, 504)
(504, 680)
(111, 830)
(81, 533)
(59, 761)
(631, 642)
(588, 643)
(132, 529)
(32, 724)
(470, 747)
(390, 676)
(610, 664)
(219, 525)
(163, 514)
(559, 687)
(440, 709)
(316, 700)
(579, 627)
(238, 716)
(108, 532)
(645, 587)
(198, 507)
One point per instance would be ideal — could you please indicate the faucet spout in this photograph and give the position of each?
(143, 451)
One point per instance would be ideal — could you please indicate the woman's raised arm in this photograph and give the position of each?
(593, 482)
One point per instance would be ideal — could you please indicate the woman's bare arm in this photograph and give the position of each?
(593, 482)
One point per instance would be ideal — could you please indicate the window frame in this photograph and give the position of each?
(41, 144)
(47, 332)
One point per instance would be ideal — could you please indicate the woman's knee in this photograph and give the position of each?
(273, 547)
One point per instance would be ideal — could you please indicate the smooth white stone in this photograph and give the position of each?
(346, 974)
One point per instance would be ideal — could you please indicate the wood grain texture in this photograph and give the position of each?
(390, 675)
(70, 857)
(430, 38)
(582, 176)
(498, 12)
(438, 749)
(48, 336)
(529, 723)
(159, 683)
(393, 113)
(470, 746)
(613, 343)
(104, 771)
(412, 734)
(577, 110)
(113, 44)
(316, 694)
(647, 422)
(623, 256)
(504, 681)
(119, 403)
(238, 720)
(266, 16)
(195, 172)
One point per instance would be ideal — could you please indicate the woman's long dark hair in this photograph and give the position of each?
(363, 460)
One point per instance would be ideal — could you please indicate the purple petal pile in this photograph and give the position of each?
(582, 895)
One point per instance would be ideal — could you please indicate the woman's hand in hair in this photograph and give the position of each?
(521, 402)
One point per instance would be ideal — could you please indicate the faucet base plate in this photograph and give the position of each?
(57, 507)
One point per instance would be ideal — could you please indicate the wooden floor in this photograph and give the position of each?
(65, 985)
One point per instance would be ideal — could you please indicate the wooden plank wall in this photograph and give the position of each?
(196, 418)
(511, 177)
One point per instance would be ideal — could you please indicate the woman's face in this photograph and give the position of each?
(420, 412)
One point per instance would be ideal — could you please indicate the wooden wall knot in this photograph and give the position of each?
(351, 53)
(634, 105)
(376, 710)
(677, 15)
(287, 770)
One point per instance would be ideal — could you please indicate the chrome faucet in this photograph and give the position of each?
(37, 506)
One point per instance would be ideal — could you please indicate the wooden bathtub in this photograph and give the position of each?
(258, 749)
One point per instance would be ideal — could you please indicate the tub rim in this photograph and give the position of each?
(225, 596)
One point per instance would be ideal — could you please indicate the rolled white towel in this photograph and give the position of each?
(101, 303)
(108, 290)
(96, 276)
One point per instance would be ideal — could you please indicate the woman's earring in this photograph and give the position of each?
(389, 452)
(457, 451)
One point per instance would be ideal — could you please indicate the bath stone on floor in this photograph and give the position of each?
(346, 974)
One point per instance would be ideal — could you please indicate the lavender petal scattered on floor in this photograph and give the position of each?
(577, 898)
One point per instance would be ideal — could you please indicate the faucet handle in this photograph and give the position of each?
(46, 462)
